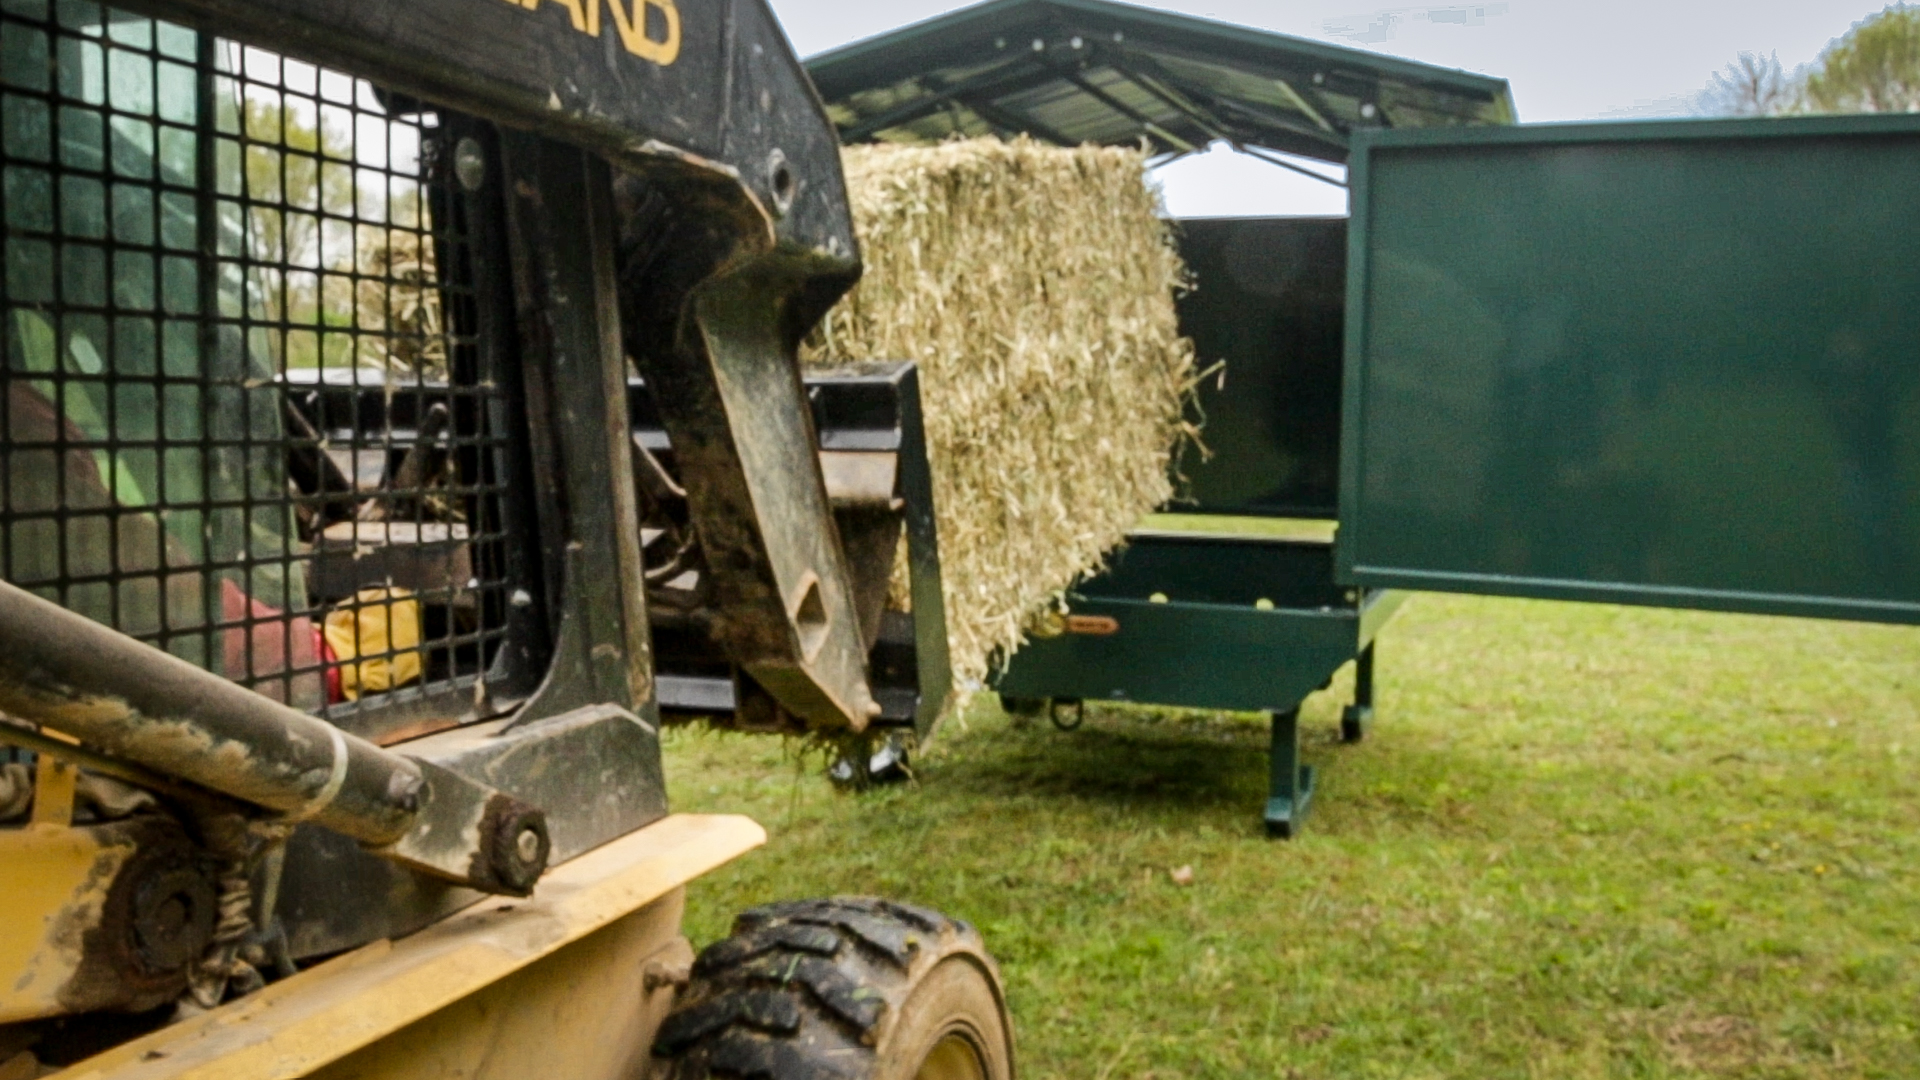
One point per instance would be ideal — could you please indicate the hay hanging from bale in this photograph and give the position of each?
(1034, 286)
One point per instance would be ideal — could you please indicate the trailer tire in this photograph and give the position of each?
(850, 988)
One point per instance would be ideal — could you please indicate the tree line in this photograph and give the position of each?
(1874, 67)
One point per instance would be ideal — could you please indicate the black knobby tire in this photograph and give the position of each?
(847, 989)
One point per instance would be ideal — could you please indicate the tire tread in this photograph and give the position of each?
(800, 990)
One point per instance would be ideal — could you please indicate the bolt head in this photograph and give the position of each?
(405, 791)
(469, 163)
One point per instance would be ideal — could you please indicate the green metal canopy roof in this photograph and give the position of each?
(1074, 71)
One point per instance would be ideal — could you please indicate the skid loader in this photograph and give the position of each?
(401, 409)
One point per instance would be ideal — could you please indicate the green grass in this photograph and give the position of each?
(1583, 841)
(1240, 525)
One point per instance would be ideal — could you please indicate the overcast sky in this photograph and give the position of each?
(1566, 60)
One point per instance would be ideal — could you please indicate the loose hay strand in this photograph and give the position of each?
(1034, 287)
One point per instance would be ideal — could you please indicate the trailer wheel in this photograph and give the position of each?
(849, 989)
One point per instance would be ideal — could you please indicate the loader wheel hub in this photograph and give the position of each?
(953, 1058)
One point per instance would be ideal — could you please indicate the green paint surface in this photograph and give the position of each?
(1675, 364)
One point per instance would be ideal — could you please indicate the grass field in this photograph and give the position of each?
(1583, 841)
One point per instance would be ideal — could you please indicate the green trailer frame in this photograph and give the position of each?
(1258, 624)
(1233, 605)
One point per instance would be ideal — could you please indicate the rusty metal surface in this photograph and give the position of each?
(872, 454)
(81, 758)
(459, 834)
(131, 701)
(559, 227)
(128, 700)
(596, 769)
(100, 917)
(711, 323)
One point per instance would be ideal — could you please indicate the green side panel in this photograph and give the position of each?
(1672, 364)
(1198, 656)
(1267, 306)
(1206, 622)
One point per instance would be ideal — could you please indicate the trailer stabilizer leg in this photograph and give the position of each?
(1357, 718)
(1291, 791)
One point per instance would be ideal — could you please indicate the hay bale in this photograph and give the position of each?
(1034, 286)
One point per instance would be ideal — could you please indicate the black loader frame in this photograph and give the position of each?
(391, 433)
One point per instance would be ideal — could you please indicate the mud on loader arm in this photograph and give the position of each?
(734, 237)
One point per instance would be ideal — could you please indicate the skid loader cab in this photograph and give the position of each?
(332, 553)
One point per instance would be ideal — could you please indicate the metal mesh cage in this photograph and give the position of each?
(247, 417)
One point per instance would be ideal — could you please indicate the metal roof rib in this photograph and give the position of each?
(1114, 73)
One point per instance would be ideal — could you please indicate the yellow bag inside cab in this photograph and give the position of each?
(383, 625)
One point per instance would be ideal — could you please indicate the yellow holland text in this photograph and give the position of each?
(630, 22)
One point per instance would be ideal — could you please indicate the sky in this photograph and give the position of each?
(1565, 59)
